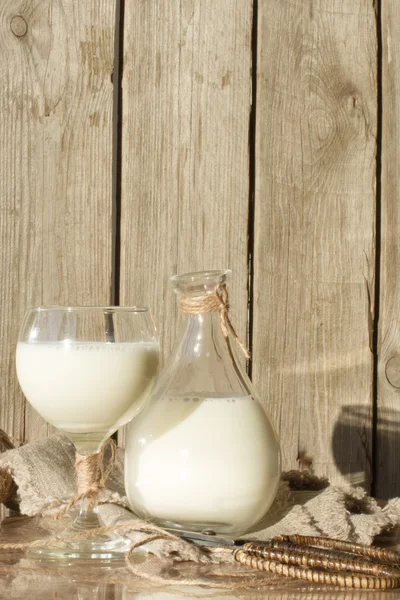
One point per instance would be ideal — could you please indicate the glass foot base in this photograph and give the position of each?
(82, 544)
(96, 547)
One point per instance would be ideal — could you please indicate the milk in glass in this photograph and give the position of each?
(83, 387)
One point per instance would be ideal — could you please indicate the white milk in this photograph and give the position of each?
(202, 461)
(83, 387)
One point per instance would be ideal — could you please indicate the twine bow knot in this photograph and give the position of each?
(92, 474)
(218, 302)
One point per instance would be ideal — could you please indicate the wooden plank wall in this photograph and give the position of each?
(388, 430)
(314, 230)
(56, 100)
(248, 138)
(185, 154)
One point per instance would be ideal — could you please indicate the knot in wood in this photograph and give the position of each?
(19, 26)
(393, 371)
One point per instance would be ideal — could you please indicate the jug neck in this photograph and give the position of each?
(203, 338)
(204, 361)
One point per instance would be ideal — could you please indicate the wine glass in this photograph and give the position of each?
(87, 371)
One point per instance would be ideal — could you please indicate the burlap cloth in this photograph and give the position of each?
(44, 474)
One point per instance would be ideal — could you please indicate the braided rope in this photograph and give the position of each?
(381, 554)
(305, 557)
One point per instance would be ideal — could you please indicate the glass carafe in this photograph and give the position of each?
(203, 454)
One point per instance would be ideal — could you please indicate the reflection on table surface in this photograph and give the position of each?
(24, 578)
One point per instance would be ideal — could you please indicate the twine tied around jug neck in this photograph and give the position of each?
(218, 302)
(92, 474)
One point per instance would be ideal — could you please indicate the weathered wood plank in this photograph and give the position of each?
(186, 104)
(314, 235)
(388, 433)
(55, 169)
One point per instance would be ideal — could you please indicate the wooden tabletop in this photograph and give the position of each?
(25, 578)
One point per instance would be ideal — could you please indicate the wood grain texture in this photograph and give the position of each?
(55, 169)
(314, 230)
(185, 122)
(388, 433)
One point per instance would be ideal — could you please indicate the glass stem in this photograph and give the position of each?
(87, 443)
(88, 517)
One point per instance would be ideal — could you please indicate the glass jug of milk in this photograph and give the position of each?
(203, 455)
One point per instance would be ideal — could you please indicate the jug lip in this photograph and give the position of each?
(196, 276)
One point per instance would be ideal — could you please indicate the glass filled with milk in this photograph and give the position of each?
(203, 454)
(87, 371)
